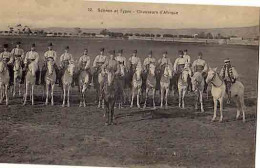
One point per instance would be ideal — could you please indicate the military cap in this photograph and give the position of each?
(33, 45)
(226, 60)
(151, 52)
(50, 44)
(18, 42)
(185, 50)
(67, 47)
(102, 49)
(135, 51)
(120, 51)
(165, 52)
(200, 54)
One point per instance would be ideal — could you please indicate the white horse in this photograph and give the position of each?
(218, 93)
(120, 83)
(4, 82)
(67, 80)
(17, 75)
(183, 85)
(30, 79)
(84, 82)
(150, 84)
(50, 78)
(136, 86)
(198, 84)
(165, 84)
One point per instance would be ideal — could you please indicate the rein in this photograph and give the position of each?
(214, 83)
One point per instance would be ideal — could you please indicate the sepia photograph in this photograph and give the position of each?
(128, 84)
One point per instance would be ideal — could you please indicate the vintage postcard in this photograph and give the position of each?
(127, 84)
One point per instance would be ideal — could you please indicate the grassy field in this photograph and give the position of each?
(153, 138)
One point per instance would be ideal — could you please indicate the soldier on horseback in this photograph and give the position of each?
(179, 66)
(200, 65)
(186, 56)
(7, 58)
(229, 75)
(149, 60)
(120, 58)
(164, 61)
(98, 62)
(48, 55)
(65, 59)
(32, 56)
(84, 63)
(134, 62)
(18, 53)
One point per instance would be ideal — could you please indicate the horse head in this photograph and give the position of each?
(152, 69)
(110, 78)
(32, 67)
(50, 66)
(138, 72)
(71, 68)
(196, 80)
(122, 70)
(2, 66)
(211, 74)
(184, 75)
(17, 64)
(167, 71)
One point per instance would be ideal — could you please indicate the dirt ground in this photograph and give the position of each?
(170, 137)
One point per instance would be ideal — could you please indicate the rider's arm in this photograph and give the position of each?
(37, 58)
(54, 56)
(175, 65)
(95, 62)
(26, 57)
(11, 59)
(235, 74)
(88, 63)
(61, 59)
(71, 57)
(205, 67)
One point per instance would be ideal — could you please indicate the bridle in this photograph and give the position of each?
(211, 81)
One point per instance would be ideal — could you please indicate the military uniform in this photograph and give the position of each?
(229, 75)
(18, 53)
(65, 59)
(148, 61)
(200, 65)
(6, 56)
(187, 58)
(179, 65)
(134, 62)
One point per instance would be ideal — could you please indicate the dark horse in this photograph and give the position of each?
(109, 95)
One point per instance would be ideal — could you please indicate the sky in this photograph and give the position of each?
(75, 13)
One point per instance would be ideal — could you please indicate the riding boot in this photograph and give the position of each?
(229, 98)
(43, 73)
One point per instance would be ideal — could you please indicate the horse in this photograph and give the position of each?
(165, 84)
(183, 85)
(198, 84)
(218, 91)
(50, 79)
(136, 85)
(67, 80)
(120, 83)
(84, 81)
(109, 94)
(18, 72)
(4, 82)
(30, 79)
(150, 84)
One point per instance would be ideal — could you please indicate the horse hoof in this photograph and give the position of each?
(244, 121)
(68, 105)
(46, 103)
(52, 104)
(213, 120)
(106, 124)
(220, 121)
(63, 105)
(202, 111)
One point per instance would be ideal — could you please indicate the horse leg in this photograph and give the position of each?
(84, 95)
(180, 94)
(1, 94)
(153, 98)
(183, 95)
(81, 95)
(47, 94)
(221, 109)
(237, 101)
(215, 109)
(14, 87)
(26, 93)
(32, 94)
(52, 90)
(132, 99)
(166, 97)
(138, 97)
(201, 101)
(162, 90)
(146, 95)
(64, 95)
(6, 95)
(196, 99)
(19, 88)
(68, 96)
(243, 107)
